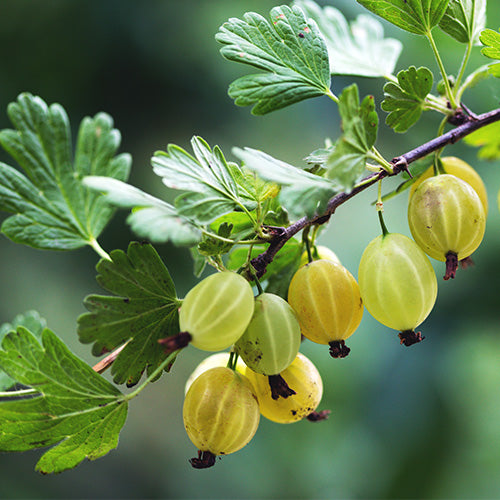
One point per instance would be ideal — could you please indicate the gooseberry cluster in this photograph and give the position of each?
(264, 373)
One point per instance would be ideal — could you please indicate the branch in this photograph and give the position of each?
(399, 163)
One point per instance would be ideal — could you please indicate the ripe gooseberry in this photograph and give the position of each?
(304, 377)
(447, 219)
(326, 299)
(214, 313)
(319, 252)
(461, 169)
(398, 284)
(219, 359)
(221, 414)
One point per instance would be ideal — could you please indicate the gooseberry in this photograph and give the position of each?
(398, 284)
(304, 377)
(213, 361)
(221, 414)
(446, 219)
(326, 299)
(214, 313)
(319, 252)
(272, 338)
(461, 169)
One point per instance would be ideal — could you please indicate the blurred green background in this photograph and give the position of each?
(422, 422)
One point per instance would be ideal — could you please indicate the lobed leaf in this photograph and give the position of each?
(211, 183)
(491, 41)
(346, 163)
(357, 49)
(74, 410)
(53, 210)
(415, 16)
(151, 218)
(30, 320)
(301, 192)
(464, 20)
(142, 310)
(405, 100)
(290, 50)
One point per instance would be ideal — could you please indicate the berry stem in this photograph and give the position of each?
(281, 235)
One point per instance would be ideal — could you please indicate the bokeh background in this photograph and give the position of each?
(422, 422)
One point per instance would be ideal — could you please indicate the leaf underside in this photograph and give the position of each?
(357, 49)
(346, 163)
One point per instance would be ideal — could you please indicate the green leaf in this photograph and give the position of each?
(415, 16)
(290, 50)
(491, 40)
(464, 20)
(405, 100)
(301, 192)
(53, 210)
(279, 272)
(30, 320)
(346, 163)
(210, 245)
(357, 49)
(74, 408)
(142, 310)
(488, 139)
(210, 182)
(151, 218)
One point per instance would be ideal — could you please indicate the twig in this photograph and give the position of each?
(108, 360)
(400, 163)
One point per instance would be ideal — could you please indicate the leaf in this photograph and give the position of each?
(301, 192)
(210, 182)
(142, 310)
(209, 245)
(30, 320)
(491, 40)
(74, 408)
(53, 210)
(347, 161)
(151, 218)
(279, 272)
(464, 20)
(488, 139)
(290, 50)
(415, 16)
(357, 49)
(405, 100)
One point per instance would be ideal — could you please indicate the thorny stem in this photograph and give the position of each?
(399, 163)
(108, 360)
